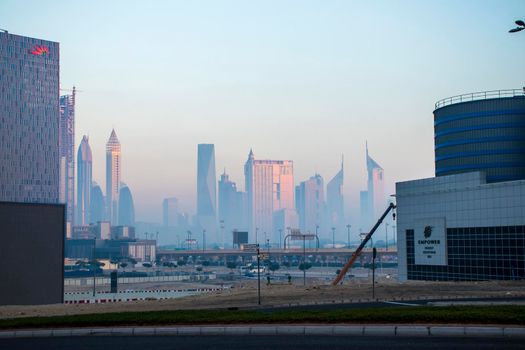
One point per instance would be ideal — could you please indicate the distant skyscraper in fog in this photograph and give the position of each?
(269, 187)
(207, 190)
(310, 204)
(67, 155)
(232, 211)
(335, 202)
(98, 207)
(84, 179)
(113, 173)
(373, 201)
(29, 119)
(170, 214)
(126, 207)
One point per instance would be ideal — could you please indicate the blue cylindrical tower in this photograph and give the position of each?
(482, 131)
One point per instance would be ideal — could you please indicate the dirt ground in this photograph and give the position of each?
(243, 294)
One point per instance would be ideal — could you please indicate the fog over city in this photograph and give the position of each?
(296, 80)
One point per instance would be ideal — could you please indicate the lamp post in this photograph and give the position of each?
(94, 266)
(348, 228)
(256, 231)
(203, 240)
(394, 234)
(304, 260)
(519, 28)
(386, 236)
(222, 233)
(333, 237)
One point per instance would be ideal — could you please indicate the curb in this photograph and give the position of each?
(335, 330)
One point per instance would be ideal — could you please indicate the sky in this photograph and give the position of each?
(303, 80)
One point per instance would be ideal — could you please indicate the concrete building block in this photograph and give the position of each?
(212, 330)
(263, 330)
(42, 333)
(290, 330)
(514, 331)
(447, 331)
(412, 331)
(380, 330)
(236, 330)
(347, 330)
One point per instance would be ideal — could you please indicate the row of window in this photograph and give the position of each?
(474, 253)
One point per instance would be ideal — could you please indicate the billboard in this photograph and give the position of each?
(240, 237)
(32, 253)
(430, 241)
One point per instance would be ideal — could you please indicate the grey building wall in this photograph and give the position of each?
(466, 202)
(486, 135)
(29, 119)
(32, 253)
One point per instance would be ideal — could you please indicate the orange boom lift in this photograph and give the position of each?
(356, 254)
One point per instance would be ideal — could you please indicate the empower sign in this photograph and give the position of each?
(430, 241)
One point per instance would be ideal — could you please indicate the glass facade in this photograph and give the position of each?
(487, 135)
(474, 254)
(29, 119)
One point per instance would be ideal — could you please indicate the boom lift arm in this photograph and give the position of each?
(350, 262)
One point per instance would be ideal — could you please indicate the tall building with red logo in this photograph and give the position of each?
(29, 119)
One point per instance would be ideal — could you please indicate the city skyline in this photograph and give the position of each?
(326, 91)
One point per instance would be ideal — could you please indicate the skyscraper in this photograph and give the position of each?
(113, 173)
(232, 211)
(126, 208)
(170, 214)
(310, 204)
(97, 210)
(207, 190)
(335, 202)
(67, 155)
(84, 179)
(373, 201)
(269, 187)
(29, 119)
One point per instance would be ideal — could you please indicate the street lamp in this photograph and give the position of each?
(386, 236)
(256, 231)
(348, 228)
(519, 28)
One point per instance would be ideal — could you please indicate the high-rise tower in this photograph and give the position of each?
(113, 173)
(269, 188)
(335, 201)
(84, 178)
(67, 154)
(97, 211)
(310, 204)
(126, 210)
(29, 119)
(373, 201)
(232, 211)
(207, 190)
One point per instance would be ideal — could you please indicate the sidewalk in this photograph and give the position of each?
(285, 329)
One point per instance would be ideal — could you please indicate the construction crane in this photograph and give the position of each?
(356, 254)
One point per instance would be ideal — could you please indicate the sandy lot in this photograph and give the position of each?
(243, 294)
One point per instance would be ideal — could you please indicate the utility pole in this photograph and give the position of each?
(258, 276)
(374, 254)
(386, 236)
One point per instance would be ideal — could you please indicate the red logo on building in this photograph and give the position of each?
(40, 50)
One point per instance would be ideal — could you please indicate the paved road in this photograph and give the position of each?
(261, 342)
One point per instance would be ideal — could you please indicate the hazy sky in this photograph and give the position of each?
(299, 80)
